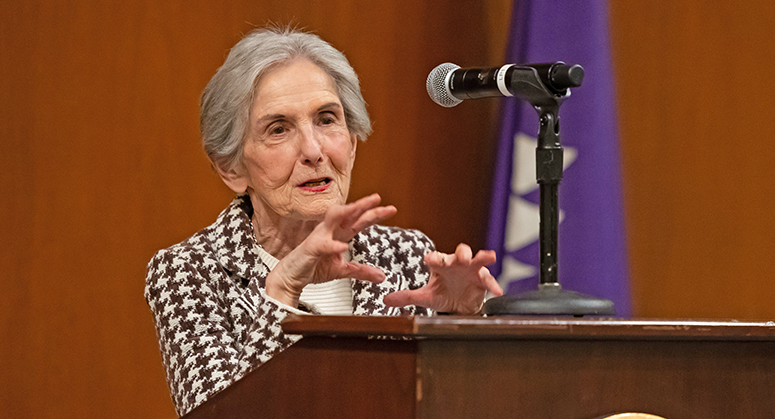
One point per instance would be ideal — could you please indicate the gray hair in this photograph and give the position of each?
(226, 101)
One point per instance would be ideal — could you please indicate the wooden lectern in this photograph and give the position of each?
(509, 367)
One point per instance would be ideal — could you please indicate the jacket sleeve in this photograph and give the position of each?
(400, 254)
(207, 343)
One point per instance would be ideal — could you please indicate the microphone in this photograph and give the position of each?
(448, 84)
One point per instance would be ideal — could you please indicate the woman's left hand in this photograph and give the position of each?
(458, 283)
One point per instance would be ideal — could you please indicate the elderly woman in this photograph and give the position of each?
(280, 123)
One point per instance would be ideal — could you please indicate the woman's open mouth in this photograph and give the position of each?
(316, 185)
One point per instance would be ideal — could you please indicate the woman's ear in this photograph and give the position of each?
(354, 140)
(234, 178)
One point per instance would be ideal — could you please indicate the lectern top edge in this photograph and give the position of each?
(460, 327)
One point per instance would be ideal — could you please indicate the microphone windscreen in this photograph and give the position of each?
(437, 85)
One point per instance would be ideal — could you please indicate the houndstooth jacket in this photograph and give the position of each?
(213, 319)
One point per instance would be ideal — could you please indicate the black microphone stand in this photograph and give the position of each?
(550, 299)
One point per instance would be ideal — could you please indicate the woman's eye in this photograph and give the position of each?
(327, 119)
(277, 130)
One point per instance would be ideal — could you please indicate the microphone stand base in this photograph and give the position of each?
(549, 299)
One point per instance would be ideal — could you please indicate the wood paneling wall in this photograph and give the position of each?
(698, 143)
(101, 164)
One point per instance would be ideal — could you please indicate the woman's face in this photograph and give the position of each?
(298, 153)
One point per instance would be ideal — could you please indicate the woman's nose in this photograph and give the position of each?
(311, 145)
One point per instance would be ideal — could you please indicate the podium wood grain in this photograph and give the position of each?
(465, 367)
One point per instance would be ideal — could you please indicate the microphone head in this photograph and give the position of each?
(437, 85)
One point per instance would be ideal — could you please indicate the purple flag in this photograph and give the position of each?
(592, 255)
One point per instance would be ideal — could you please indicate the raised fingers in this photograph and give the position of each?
(319, 242)
(373, 216)
(350, 219)
(349, 213)
(490, 282)
(361, 272)
(419, 297)
(463, 253)
(485, 257)
(438, 259)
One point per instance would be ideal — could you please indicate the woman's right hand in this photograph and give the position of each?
(319, 257)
